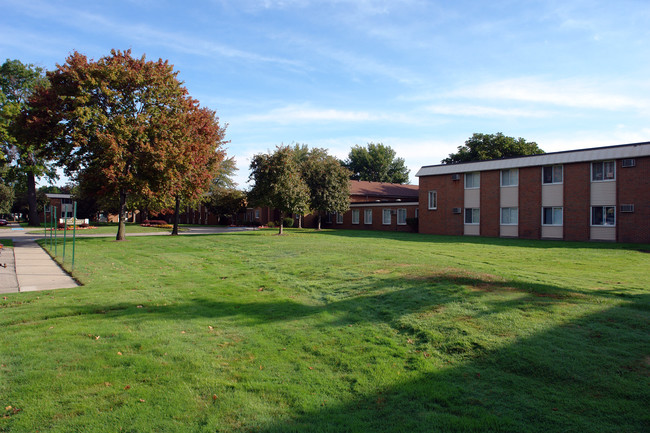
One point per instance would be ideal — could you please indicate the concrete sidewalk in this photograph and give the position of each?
(34, 269)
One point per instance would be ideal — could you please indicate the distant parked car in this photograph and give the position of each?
(3, 222)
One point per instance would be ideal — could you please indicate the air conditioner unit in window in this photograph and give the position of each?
(457, 210)
(455, 176)
(627, 208)
(630, 162)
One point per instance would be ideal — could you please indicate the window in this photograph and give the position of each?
(355, 216)
(472, 215)
(367, 216)
(552, 216)
(257, 214)
(552, 174)
(603, 216)
(472, 180)
(339, 218)
(401, 217)
(603, 170)
(510, 177)
(417, 212)
(433, 200)
(385, 216)
(328, 220)
(509, 215)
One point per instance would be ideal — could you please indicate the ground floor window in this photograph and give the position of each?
(385, 216)
(367, 216)
(472, 215)
(509, 215)
(552, 216)
(355, 216)
(401, 217)
(328, 219)
(339, 218)
(603, 216)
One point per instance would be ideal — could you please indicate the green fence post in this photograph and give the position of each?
(56, 226)
(74, 231)
(65, 232)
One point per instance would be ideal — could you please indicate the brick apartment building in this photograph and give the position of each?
(600, 194)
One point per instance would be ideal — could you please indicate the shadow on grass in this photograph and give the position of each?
(590, 374)
(441, 239)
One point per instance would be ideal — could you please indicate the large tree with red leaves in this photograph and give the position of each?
(129, 124)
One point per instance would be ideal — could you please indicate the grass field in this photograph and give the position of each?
(333, 331)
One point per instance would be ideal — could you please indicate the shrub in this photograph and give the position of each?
(148, 223)
(271, 224)
(287, 222)
(413, 223)
(84, 225)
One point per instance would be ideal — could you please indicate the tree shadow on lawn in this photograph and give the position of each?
(480, 240)
(589, 374)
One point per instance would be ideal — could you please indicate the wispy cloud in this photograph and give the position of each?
(486, 111)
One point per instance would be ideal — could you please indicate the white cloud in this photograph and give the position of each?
(485, 111)
(574, 93)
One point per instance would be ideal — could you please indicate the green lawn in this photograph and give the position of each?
(333, 331)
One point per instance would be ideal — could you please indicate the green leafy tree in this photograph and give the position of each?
(226, 202)
(278, 183)
(328, 182)
(482, 147)
(376, 163)
(27, 152)
(128, 124)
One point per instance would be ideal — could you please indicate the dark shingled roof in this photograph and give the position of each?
(388, 190)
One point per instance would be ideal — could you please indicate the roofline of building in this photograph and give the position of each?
(563, 157)
(384, 203)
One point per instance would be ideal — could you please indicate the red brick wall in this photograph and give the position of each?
(490, 203)
(530, 202)
(633, 187)
(577, 198)
(450, 195)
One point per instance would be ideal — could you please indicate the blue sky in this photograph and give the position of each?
(419, 76)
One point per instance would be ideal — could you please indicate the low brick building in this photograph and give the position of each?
(377, 206)
(600, 194)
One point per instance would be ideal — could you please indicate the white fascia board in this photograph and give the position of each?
(595, 154)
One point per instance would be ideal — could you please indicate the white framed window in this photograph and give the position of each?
(355, 216)
(510, 177)
(603, 215)
(328, 220)
(509, 216)
(472, 215)
(552, 216)
(367, 216)
(257, 214)
(433, 200)
(552, 174)
(385, 216)
(339, 218)
(603, 171)
(401, 217)
(472, 180)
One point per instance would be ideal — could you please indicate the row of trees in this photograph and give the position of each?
(298, 180)
(124, 127)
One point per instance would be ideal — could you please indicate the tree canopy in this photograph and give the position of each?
(27, 152)
(376, 163)
(481, 147)
(128, 124)
(278, 182)
(328, 183)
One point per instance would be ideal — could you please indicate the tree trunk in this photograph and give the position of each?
(121, 228)
(31, 199)
(318, 221)
(281, 222)
(177, 216)
(300, 221)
